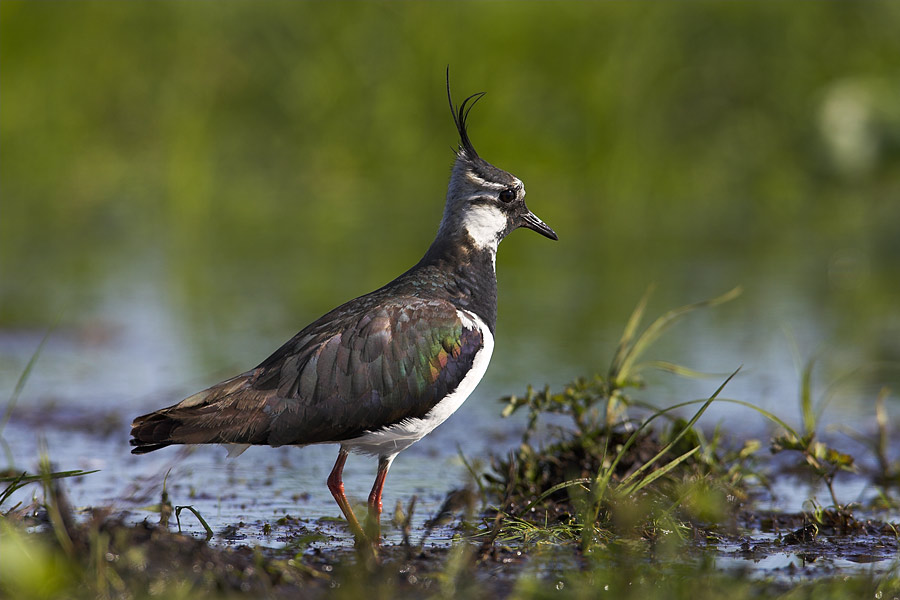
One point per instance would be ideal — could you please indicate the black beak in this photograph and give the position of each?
(532, 222)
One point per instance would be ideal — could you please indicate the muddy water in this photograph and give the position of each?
(239, 496)
(81, 424)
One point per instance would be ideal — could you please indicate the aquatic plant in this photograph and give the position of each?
(607, 459)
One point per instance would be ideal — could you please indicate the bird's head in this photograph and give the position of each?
(484, 202)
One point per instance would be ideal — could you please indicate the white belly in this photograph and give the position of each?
(396, 438)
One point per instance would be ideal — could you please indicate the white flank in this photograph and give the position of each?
(396, 438)
(484, 224)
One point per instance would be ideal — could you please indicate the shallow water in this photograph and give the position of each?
(800, 565)
(89, 382)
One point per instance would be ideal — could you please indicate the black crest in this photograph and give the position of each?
(460, 115)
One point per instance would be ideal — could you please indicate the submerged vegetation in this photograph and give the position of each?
(603, 500)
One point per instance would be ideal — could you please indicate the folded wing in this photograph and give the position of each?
(352, 371)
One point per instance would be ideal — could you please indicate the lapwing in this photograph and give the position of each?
(379, 372)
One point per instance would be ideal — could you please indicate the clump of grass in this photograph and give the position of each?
(821, 460)
(592, 476)
(600, 403)
(612, 481)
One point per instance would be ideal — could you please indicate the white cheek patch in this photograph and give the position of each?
(484, 224)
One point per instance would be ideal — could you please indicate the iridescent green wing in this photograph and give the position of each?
(391, 362)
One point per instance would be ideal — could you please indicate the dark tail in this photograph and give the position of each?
(151, 432)
(214, 416)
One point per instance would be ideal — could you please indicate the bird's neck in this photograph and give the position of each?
(458, 270)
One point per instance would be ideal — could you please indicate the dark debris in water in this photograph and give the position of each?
(810, 545)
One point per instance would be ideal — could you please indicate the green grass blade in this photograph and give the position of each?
(24, 477)
(178, 509)
(19, 481)
(623, 348)
(473, 474)
(806, 407)
(23, 378)
(650, 478)
(683, 431)
(661, 324)
(881, 439)
(676, 369)
(602, 482)
(770, 416)
(12, 487)
(584, 481)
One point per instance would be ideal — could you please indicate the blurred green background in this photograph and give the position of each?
(186, 184)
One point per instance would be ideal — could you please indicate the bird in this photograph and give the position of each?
(378, 373)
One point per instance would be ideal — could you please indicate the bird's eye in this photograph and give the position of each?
(508, 195)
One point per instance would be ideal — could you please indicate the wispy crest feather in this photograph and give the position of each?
(460, 115)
